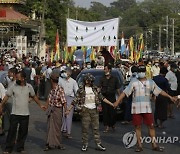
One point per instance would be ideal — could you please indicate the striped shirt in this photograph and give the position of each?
(57, 97)
(142, 91)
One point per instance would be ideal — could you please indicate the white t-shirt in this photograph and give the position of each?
(21, 95)
(90, 98)
(155, 70)
(33, 73)
(171, 77)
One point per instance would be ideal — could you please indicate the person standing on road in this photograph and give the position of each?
(155, 69)
(87, 100)
(55, 103)
(70, 88)
(21, 91)
(161, 103)
(141, 105)
(109, 85)
(47, 81)
(172, 79)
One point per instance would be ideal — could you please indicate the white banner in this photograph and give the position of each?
(101, 33)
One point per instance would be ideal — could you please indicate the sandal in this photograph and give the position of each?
(68, 136)
(159, 149)
(138, 149)
(6, 152)
(106, 130)
(47, 148)
(61, 147)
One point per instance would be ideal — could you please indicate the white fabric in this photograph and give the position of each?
(2, 91)
(21, 94)
(70, 86)
(155, 70)
(90, 98)
(33, 73)
(171, 77)
(101, 33)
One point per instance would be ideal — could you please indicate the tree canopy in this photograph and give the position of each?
(135, 17)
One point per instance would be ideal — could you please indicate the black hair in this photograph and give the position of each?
(13, 70)
(109, 66)
(141, 68)
(22, 73)
(134, 69)
(163, 70)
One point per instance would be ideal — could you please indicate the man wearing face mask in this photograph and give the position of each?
(172, 79)
(21, 91)
(88, 65)
(109, 86)
(155, 69)
(70, 88)
(141, 105)
(75, 71)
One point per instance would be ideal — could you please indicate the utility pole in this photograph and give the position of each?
(42, 29)
(68, 12)
(159, 37)
(167, 25)
(172, 48)
(151, 38)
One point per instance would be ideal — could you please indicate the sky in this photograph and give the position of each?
(87, 3)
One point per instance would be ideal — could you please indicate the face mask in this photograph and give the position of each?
(11, 78)
(134, 74)
(88, 66)
(156, 64)
(106, 74)
(18, 82)
(141, 75)
(78, 67)
(175, 70)
(64, 75)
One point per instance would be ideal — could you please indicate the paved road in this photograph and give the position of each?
(112, 141)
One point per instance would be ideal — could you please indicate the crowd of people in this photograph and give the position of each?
(29, 78)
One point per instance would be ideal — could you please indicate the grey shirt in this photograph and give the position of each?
(21, 95)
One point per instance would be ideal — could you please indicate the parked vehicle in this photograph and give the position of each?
(98, 73)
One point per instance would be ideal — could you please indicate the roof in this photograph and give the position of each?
(9, 14)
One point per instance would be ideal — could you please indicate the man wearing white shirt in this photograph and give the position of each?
(70, 88)
(47, 80)
(33, 74)
(172, 79)
(155, 69)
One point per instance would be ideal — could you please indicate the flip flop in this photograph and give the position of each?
(158, 149)
(138, 149)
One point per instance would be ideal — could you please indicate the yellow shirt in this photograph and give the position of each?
(148, 72)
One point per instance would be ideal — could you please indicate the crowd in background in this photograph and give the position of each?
(40, 74)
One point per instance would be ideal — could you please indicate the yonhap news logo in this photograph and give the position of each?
(130, 139)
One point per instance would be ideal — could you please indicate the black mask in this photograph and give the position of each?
(18, 82)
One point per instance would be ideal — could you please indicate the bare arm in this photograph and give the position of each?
(35, 98)
(119, 100)
(108, 102)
